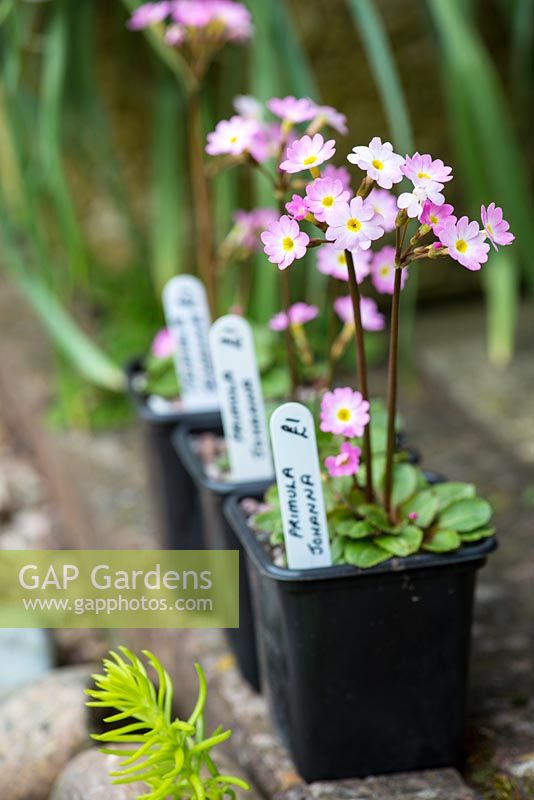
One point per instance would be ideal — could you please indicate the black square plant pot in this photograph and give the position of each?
(175, 499)
(365, 671)
(219, 535)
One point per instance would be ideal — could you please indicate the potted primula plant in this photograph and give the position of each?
(257, 137)
(194, 31)
(364, 661)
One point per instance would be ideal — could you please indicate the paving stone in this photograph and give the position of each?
(42, 726)
(443, 784)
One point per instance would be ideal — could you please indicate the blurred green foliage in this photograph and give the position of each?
(95, 190)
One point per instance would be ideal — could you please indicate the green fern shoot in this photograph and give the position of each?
(170, 756)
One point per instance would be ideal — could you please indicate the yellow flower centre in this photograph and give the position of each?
(341, 260)
(461, 245)
(288, 243)
(489, 229)
(384, 270)
(377, 164)
(343, 414)
(421, 175)
(433, 219)
(354, 224)
(233, 139)
(309, 161)
(328, 201)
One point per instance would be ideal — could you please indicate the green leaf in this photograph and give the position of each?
(331, 501)
(425, 504)
(404, 483)
(355, 529)
(451, 491)
(364, 554)
(268, 521)
(475, 536)
(404, 544)
(386, 74)
(272, 497)
(466, 515)
(337, 549)
(442, 541)
(376, 515)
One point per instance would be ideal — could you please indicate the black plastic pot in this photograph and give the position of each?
(175, 499)
(219, 535)
(365, 671)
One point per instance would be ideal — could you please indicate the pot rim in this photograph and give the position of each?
(139, 401)
(465, 555)
(181, 439)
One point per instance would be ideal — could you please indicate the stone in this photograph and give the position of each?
(442, 784)
(80, 645)
(86, 777)
(29, 529)
(42, 726)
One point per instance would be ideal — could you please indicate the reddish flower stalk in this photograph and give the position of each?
(361, 368)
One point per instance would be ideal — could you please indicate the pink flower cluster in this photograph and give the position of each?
(344, 413)
(298, 314)
(249, 132)
(354, 223)
(212, 22)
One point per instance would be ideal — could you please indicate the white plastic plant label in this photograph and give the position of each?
(298, 477)
(240, 399)
(188, 318)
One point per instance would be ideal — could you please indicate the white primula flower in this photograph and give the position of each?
(414, 201)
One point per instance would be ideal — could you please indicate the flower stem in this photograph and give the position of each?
(330, 338)
(392, 391)
(290, 344)
(201, 200)
(361, 367)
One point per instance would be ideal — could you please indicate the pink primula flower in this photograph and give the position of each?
(435, 216)
(333, 262)
(323, 194)
(249, 225)
(379, 161)
(423, 169)
(372, 319)
(232, 136)
(496, 228)
(307, 153)
(236, 19)
(248, 107)
(284, 242)
(338, 174)
(352, 225)
(383, 270)
(297, 207)
(149, 14)
(344, 412)
(385, 204)
(465, 242)
(291, 109)
(333, 118)
(347, 462)
(298, 314)
(162, 345)
(174, 35)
